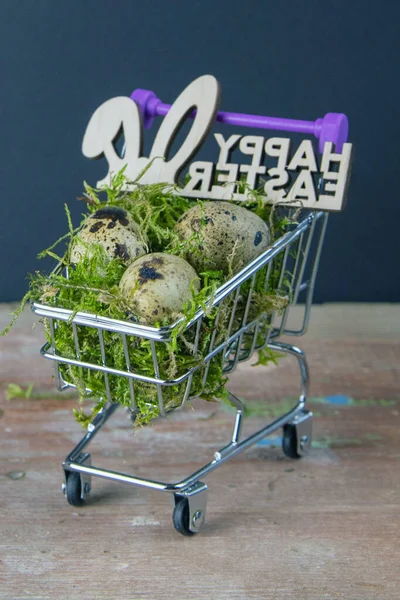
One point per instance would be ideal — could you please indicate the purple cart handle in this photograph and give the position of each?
(333, 127)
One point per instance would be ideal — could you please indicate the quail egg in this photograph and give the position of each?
(157, 285)
(222, 235)
(112, 228)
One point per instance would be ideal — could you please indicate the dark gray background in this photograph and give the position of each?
(60, 60)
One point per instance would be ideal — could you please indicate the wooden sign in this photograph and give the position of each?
(296, 176)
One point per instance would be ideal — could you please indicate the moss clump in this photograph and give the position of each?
(92, 286)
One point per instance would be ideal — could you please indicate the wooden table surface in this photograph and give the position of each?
(326, 526)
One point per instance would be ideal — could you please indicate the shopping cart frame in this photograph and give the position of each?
(190, 493)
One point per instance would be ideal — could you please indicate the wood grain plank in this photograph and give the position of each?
(323, 527)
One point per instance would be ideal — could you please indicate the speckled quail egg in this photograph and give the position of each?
(157, 285)
(112, 228)
(225, 233)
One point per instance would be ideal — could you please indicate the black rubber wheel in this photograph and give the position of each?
(74, 489)
(180, 517)
(289, 441)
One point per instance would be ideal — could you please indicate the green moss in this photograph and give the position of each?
(92, 286)
(14, 391)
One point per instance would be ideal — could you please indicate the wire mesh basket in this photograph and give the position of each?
(229, 329)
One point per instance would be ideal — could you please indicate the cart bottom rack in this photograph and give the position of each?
(190, 494)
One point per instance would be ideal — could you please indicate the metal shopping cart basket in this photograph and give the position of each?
(297, 254)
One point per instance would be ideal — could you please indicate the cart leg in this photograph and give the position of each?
(303, 366)
(190, 509)
(77, 486)
(297, 433)
(237, 429)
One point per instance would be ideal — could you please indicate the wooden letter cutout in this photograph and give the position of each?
(121, 114)
(208, 180)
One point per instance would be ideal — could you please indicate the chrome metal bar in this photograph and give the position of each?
(283, 267)
(109, 370)
(51, 327)
(286, 311)
(268, 274)
(233, 312)
(97, 423)
(135, 376)
(304, 261)
(105, 323)
(267, 337)
(272, 314)
(229, 340)
(300, 285)
(211, 346)
(220, 457)
(76, 341)
(310, 285)
(302, 362)
(281, 277)
(77, 348)
(254, 342)
(298, 258)
(239, 417)
(294, 281)
(60, 384)
(284, 319)
(248, 302)
(157, 372)
(195, 348)
(103, 360)
(233, 337)
(244, 322)
(128, 366)
(120, 477)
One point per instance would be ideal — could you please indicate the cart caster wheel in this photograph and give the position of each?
(181, 516)
(297, 435)
(190, 509)
(74, 489)
(289, 442)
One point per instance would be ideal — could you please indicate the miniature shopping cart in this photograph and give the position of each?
(298, 253)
